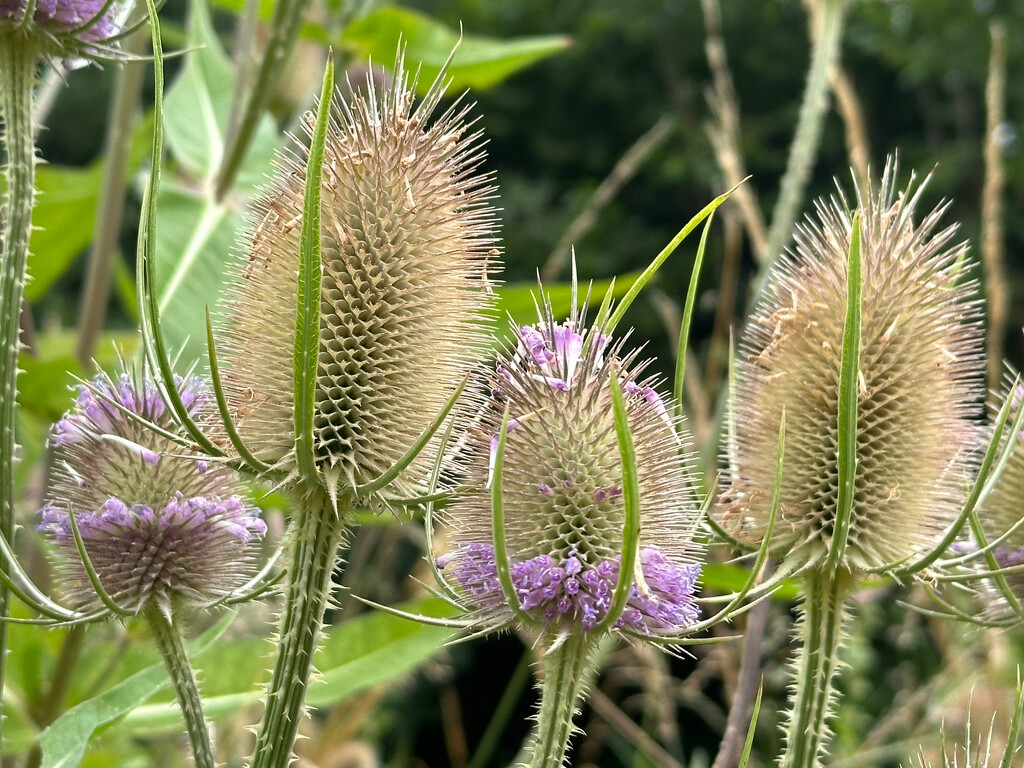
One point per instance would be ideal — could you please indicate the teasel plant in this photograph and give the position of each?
(66, 35)
(868, 339)
(572, 508)
(142, 528)
(358, 303)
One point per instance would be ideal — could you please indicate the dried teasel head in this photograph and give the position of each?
(562, 491)
(407, 237)
(918, 394)
(161, 527)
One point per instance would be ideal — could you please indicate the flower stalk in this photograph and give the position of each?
(183, 678)
(566, 671)
(820, 631)
(318, 531)
(18, 61)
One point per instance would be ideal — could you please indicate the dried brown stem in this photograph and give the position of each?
(992, 239)
(724, 134)
(625, 169)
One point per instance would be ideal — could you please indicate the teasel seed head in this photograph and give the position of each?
(407, 237)
(72, 30)
(160, 527)
(562, 490)
(918, 394)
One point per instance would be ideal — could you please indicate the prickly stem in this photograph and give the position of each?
(317, 530)
(18, 61)
(566, 670)
(820, 632)
(183, 678)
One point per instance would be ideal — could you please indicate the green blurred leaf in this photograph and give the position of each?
(479, 63)
(63, 222)
(724, 577)
(371, 649)
(43, 385)
(195, 232)
(63, 743)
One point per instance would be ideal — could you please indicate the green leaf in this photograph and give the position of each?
(198, 104)
(371, 649)
(725, 578)
(195, 233)
(62, 222)
(43, 385)
(63, 743)
(480, 62)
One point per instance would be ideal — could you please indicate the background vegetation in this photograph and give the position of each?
(607, 143)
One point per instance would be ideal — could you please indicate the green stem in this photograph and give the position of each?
(183, 678)
(18, 62)
(820, 631)
(566, 671)
(804, 149)
(318, 530)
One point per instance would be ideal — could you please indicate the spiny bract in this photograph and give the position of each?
(407, 237)
(1000, 515)
(562, 490)
(159, 526)
(919, 386)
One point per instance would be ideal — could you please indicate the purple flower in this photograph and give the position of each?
(73, 30)
(581, 593)
(157, 524)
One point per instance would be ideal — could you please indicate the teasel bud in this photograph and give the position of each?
(561, 527)
(72, 30)
(160, 527)
(407, 237)
(919, 384)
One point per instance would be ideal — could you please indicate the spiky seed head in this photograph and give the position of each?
(919, 385)
(562, 490)
(161, 527)
(407, 236)
(72, 30)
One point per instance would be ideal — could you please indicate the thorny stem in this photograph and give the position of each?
(317, 530)
(808, 131)
(18, 61)
(566, 670)
(183, 678)
(820, 632)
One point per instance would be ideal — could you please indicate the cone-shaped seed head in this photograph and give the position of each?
(562, 490)
(159, 527)
(74, 30)
(407, 237)
(919, 386)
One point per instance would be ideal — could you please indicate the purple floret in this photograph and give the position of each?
(578, 591)
(192, 546)
(69, 16)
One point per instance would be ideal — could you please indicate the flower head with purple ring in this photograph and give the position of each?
(158, 526)
(72, 30)
(562, 491)
(579, 592)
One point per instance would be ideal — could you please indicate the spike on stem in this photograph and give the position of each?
(318, 531)
(820, 632)
(18, 59)
(566, 669)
